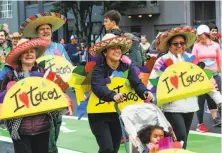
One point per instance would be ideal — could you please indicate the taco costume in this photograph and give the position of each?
(106, 126)
(28, 28)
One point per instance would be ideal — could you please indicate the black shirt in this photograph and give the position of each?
(100, 72)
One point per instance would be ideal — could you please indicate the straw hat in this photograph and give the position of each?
(15, 35)
(23, 45)
(187, 31)
(110, 40)
(28, 27)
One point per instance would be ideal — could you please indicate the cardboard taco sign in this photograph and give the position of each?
(119, 85)
(30, 96)
(57, 64)
(181, 80)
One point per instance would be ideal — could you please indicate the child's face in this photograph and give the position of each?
(156, 135)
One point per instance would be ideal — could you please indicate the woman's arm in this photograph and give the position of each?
(219, 61)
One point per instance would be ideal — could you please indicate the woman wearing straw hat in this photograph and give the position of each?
(15, 38)
(178, 113)
(21, 129)
(106, 126)
(43, 25)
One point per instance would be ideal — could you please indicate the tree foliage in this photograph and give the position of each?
(83, 9)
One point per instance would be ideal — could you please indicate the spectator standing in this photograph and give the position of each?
(74, 50)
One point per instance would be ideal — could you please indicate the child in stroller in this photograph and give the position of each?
(152, 135)
(136, 116)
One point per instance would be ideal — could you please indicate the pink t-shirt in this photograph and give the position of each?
(209, 54)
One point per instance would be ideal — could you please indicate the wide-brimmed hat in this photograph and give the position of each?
(110, 40)
(187, 31)
(23, 45)
(15, 35)
(28, 27)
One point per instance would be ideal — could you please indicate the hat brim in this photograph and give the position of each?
(122, 41)
(40, 44)
(17, 36)
(28, 28)
(186, 31)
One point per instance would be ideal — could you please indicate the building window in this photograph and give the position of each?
(136, 29)
(139, 4)
(153, 3)
(30, 2)
(5, 9)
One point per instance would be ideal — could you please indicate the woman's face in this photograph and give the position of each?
(28, 57)
(203, 38)
(213, 33)
(177, 45)
(156, 135)
(15, 40)
(113, 53)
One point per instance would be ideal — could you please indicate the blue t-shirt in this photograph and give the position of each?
(56, 49)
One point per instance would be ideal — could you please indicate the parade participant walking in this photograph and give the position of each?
(106, 126)
(179, 113)
(26, 137)
(15, 38)
(208, 51)
(43, 25)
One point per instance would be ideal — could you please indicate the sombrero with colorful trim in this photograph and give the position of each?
(23, 45)
(110, 40)
(187, 31)
(28, 27)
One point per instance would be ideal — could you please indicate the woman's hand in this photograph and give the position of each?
(148, 96)
(119, 97)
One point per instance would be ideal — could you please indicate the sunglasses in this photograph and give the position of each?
(176, 44)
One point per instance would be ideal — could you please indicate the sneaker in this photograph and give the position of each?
(217, 122)
(202, 128)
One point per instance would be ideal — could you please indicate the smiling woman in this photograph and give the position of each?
(105, 126)
(33, 129)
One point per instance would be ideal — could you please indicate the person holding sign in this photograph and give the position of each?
(105, 126)
(179, 113)
(208, 52)
(31, 133)
(43, 25)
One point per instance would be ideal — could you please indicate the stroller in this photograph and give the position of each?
(134, 117)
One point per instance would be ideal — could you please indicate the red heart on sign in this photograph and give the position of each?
(89, 66)
(174, 81)
(24, 99)
(169, 62)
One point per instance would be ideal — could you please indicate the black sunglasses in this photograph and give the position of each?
(176, 44)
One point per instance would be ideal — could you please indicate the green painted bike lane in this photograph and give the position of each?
(76, 135)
